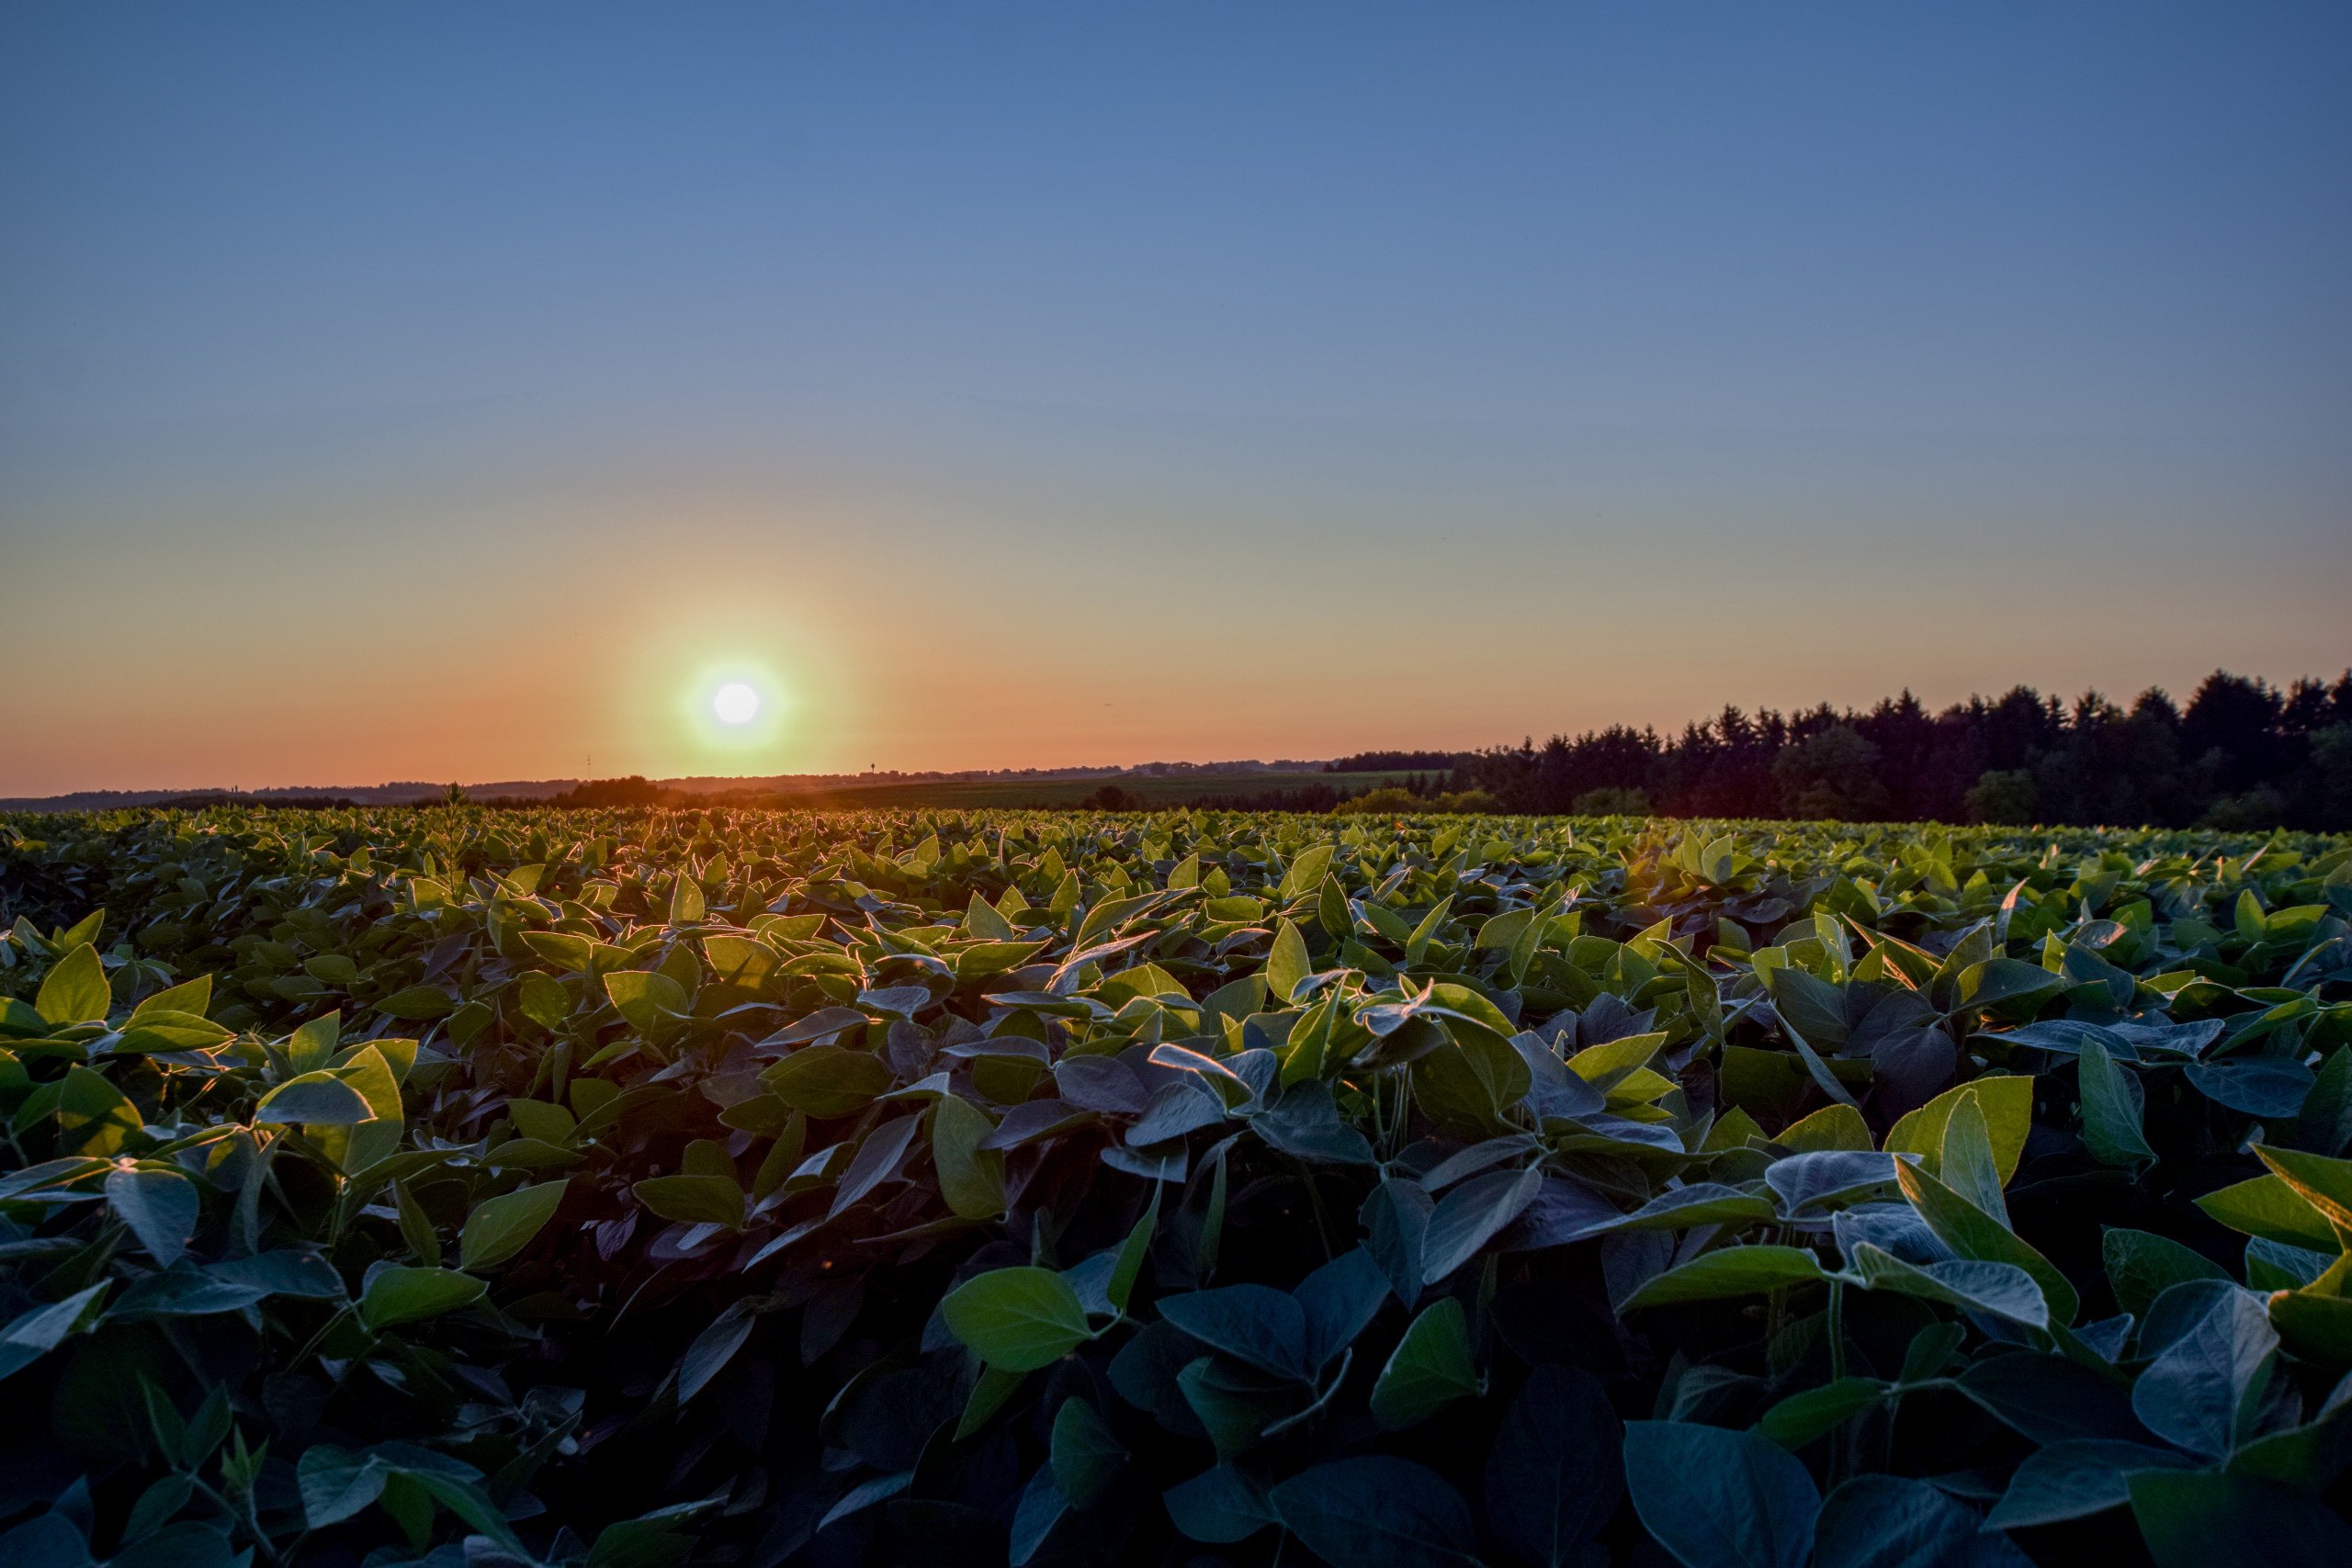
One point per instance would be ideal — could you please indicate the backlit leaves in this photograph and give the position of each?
(1037, 1187)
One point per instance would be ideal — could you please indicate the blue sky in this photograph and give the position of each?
(432, 391)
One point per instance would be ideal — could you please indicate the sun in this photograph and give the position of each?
(735, 702)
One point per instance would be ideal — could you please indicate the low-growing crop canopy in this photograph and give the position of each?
(620, 1190)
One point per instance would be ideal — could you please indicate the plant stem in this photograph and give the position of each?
(1836, 1329)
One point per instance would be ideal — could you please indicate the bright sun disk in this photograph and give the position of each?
(735, 702)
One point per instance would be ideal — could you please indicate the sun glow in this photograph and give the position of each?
(735, 702)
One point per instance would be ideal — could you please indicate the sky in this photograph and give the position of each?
(465, 392)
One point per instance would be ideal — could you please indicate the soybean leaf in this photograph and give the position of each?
(1556, 1471)
(1336, 1301)
(160, 1206)
(827, 1081)
(1376, 1511)
(693, 1199)
(2077, 1477)
(1466, 1218)
(1086, 1457)
(1396, 1216)
(1810, 1413)
(1288, 964)
(2205, 1519)
(503, 1225)
(1256, 1324)
(1727, 1272)
(75, 989)
(397, 1293)
(2006, 1101)
(2112, 1109)
(1889, 1521)
(1220, 1506)
(1429, 1369)
(319, 1099)
(2202, 1392)
(2140, 1266)
(1017, 1320)
(1718, 1498)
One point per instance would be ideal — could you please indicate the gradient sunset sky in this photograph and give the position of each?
(432, 392)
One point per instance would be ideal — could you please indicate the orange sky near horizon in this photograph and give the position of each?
(527, 640)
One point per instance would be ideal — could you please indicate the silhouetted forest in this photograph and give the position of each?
(2241, 754)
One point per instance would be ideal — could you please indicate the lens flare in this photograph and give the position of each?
(735, 702)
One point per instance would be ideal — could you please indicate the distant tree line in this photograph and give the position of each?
(2241, 754)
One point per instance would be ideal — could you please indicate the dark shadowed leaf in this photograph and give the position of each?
(1718, 1498)
(159, 1207)
(1429, 1369)
(2193, 1519)
(1887, 1521)
(1469, 1215)
(1557, 1470)
(1377, 1512)
(1256, 1324)
(2077, 1477)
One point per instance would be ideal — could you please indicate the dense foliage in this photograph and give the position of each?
(615, 1188)
(2241, 755)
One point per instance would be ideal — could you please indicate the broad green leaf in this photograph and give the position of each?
(1727, 1272)
(417, 1004)
(317, 1099)
(1997, 1289)
(75, 989)
(1965, 1161)
(1801, 1417)
(1256, 1324)
(2141, 1265)
(651, 1001)
(1220, 1506)
(970, 1178)
(38, 1330)
(1429, 1369)
(503, 1225)
(2200, 1394)
(160, 1207)
(1971, 1233)
(1086, 1456)
(828, 1081)
(2112, 1109)
(1604, 1066)
(1305, 873)
(2001, 980)
(2006, 1102)
(1287, 964)
(397, 1293)
(693, 1199)
(191, 998)
(93, 1116)
(1470, 1215)
(2268, 1207)
(336, 1483)
(1017, 1320)
(2325, 1184)
(1831, 1127)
